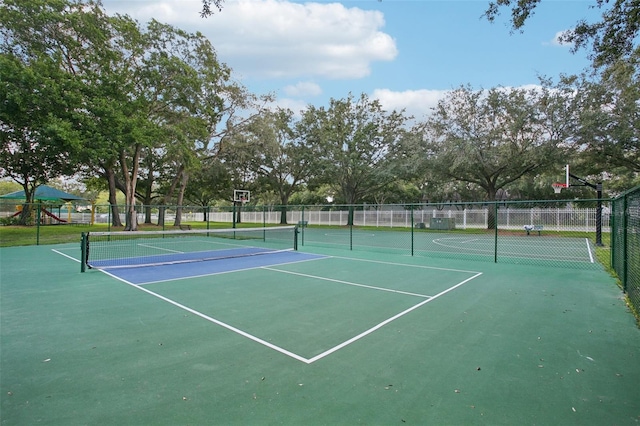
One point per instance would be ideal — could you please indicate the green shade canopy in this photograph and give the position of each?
(43, 193)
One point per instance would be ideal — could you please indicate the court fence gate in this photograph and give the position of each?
(625, 244)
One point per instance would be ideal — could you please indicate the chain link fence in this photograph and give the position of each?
(625, 244)
(566, 233)
(563, 233)
(558, 233)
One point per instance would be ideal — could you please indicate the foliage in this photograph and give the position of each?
(209, 183)
(8, 186)
(612, 38)
(206, 7)
(609, 132)
(492, 139)
(352, 138)
(149, 114)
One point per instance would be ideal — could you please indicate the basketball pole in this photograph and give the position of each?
(598, 188)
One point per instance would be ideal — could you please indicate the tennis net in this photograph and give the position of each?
(106, 250)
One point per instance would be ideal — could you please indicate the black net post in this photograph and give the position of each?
(83, 252)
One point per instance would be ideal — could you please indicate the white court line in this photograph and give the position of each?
(404, 264)
(213, 320)
(469, 241)
(346, 282)
(439, 242)
(589, 250)
(387, 321)
(65, 255)
(226, 272)
(160, 248)
(486, 251)
(280, 349)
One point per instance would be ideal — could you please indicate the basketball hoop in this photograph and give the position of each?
(241, 196)
(558, 187)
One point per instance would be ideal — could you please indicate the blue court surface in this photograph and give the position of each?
(158, 273)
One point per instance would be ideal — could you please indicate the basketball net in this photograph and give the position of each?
(557, 187)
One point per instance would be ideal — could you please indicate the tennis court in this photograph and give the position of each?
(519, 247)
(264, 334)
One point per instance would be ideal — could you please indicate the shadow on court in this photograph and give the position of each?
(332, 337)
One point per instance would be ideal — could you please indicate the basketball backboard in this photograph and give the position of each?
(241, 196)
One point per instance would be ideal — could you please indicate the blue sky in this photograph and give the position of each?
(405, 53)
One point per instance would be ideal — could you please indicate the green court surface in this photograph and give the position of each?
(515, 247)
(344, 337)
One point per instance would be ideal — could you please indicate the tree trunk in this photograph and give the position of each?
(180, 199)
(27, 207)
(162, 209)
(148, 192)
(130, 180)
(351, 198)
(491, 213)
(168, 196)
(284, 200)
(113, 202)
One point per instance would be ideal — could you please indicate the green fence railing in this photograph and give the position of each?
(625, 244)
(555, 233)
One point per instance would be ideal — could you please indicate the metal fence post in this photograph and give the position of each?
(412, 226)
(625, 247)
(38, 218)
(495, 242)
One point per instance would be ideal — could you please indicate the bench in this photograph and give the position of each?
(303, 223)
(534, 228)
(185, 227)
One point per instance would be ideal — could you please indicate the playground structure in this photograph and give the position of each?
(43, 210)
(46, 216)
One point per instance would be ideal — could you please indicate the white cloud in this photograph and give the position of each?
(420, 103)
(417, 103)
(556, 40)
(303, 88)
(277, 38)
(295, 105)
